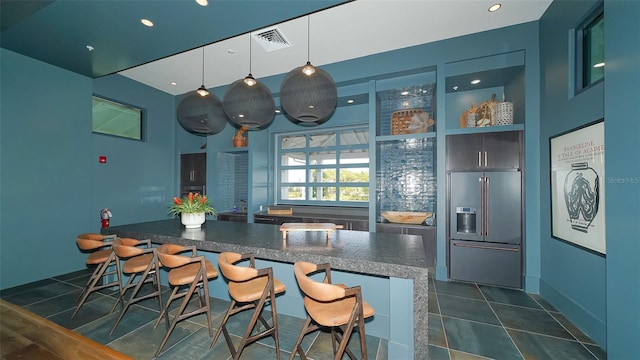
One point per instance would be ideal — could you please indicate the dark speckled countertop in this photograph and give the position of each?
(390, 255)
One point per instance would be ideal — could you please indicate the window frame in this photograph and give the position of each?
(580, 57)
(141, 118)
(309, 184)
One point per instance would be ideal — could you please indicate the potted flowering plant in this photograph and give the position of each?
(192, 209)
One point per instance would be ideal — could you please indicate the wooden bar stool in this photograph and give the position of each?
(191, 274)
(330, 305)
(250, 288)
(141, 264)
(102, 257)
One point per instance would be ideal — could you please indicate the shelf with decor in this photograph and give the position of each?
(405, 106)
(406, 122)
(485, 94)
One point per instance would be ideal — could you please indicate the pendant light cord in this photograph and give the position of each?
(308, 38)
(249, 53)
(203, 65)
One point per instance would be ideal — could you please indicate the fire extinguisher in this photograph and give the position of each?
(105, 215)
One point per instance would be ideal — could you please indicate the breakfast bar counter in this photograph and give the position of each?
(397, 257)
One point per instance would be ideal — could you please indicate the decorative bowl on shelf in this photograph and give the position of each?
(406, 217)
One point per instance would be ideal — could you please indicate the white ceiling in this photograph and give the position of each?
(348, 31)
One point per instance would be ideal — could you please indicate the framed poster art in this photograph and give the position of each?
(577, 186)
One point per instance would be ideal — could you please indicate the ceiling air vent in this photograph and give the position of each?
(271, 39)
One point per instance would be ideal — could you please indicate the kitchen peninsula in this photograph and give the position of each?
(398, 258)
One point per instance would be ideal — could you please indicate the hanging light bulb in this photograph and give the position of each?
(308, 69)
(308, 94)
(250, 80)
(248, 102)
(202, 91)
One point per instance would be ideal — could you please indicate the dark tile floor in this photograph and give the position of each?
(466, 321)
(471, 321)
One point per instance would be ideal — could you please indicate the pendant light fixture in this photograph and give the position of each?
(308, 94)
(201, 112)
(248, 102)
(202, 91)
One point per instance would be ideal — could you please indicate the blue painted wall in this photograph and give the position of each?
(52, 187)
(139, 177)
(46, 165)
(622, 134)
(597, 293)
(572, 279)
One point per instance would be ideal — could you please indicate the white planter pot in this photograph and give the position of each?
(192, 220)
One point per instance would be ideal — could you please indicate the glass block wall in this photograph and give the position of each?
(233, 179)
(406, 175)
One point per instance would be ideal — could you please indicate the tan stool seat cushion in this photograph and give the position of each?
(335, 313)
(98, 257)
(252, 290)
(137, 264)
(185, 275)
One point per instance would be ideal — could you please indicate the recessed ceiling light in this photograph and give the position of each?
(90, 48)
(598, 65)
(277, 111)
(350, 101)
(475, 82)
(173, 83)
(455, 88)
(146, 22)
(495, 7)
(231, 51)
(404, 93)
(202, 2)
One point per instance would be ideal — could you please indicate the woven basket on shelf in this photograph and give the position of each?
(401, 119)
(504, 113)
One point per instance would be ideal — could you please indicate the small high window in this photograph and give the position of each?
(112, 118)
(590, 50)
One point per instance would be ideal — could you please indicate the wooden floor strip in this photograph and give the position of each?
(25, 335)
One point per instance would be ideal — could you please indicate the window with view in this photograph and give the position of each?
(113, 118)
(590, 49)
(327, 167)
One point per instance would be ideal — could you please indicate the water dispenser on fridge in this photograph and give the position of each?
(466, 220)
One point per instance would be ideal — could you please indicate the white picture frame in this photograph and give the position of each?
(578, 186)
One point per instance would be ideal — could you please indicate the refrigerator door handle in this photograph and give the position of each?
(479, 159)
(482, 205)
(458, 244)
(486, 202)
(485, 159)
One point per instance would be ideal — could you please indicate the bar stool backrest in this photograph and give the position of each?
(168, 255)
(233, 272)
(320, 291)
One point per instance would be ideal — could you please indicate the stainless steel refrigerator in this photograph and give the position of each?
(485, 234)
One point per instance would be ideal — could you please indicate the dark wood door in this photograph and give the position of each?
(193, 172)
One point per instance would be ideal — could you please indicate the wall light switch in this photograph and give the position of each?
(102, 159)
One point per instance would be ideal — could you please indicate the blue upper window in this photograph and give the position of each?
(113, 118)
(590, 50)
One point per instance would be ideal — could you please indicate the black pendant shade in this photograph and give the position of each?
(308, 97)
(201, 115)
(251, 106)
